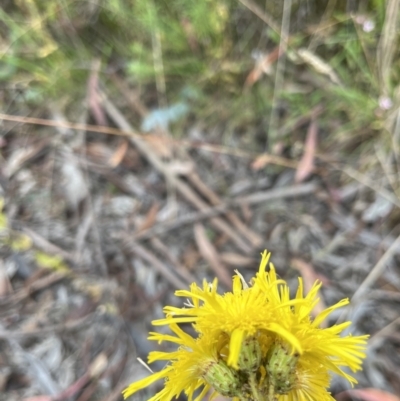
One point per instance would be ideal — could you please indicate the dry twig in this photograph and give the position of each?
(176, 182)
(378, 269)
(144, 254)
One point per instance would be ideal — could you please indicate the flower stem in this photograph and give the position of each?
(257, 395)
(271, 392)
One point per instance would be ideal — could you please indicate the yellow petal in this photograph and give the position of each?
(235, 345)
(289, 337)
(133, 387)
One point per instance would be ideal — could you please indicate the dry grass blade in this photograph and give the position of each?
(287, 192)
(273, 127)
(319, 65)
(64, 124)
(363, 179)
(253, 7)
(384, 332)
(148, 257)
(378, 269)
(162, 140)
(387, 45)
(306, 164)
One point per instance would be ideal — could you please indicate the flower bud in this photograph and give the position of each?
(250, 355)
(225, 380)
(281, 368)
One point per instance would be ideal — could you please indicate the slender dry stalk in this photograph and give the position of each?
(280, 70)
(387, 45)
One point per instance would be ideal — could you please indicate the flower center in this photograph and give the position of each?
(261, 375)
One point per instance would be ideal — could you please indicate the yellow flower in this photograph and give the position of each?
(185, 371)
(253, 343)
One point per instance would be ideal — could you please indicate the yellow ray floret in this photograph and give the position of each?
(184, 373)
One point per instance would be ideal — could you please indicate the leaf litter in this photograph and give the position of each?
(101, 224)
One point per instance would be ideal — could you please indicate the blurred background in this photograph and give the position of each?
(149, 144)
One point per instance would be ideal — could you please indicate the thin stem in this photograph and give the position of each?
(257, 395)
(271, 392)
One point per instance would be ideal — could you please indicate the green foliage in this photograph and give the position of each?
(49, 47)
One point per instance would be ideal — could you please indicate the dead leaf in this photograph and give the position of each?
(263, 65)
(265, 158)
(150, 218)
(367, 394)
(306, 165)
(161, 145)
(119, 154)
(210, 254)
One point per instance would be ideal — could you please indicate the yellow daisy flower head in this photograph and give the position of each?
(253, 343)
